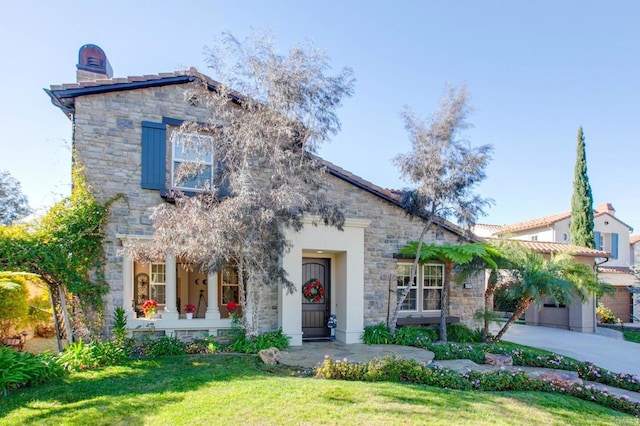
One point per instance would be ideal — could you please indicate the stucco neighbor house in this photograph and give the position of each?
(122, 137)
(612, 254)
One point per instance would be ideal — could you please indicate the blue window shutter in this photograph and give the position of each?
(154, 153)
(614, 246)
(596, 237)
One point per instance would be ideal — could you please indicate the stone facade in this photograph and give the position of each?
(107, 143)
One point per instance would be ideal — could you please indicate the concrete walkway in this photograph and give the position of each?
(311, 354)
(605, 350)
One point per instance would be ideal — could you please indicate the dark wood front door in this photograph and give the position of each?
(315, 298)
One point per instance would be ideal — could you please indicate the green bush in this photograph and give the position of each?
(267, 340)
(24, 369)
(119, 325)
(165, 346)
(462, 334)
(80, 356)
(377, 334)
(415, 336)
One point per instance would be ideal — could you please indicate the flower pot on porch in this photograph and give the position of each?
(189, 315)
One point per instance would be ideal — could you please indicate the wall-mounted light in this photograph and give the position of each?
(319, 252)
(606, 222)
(467, 285)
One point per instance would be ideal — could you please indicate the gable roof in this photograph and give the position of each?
(540, 222)
(63, 96)
(633, 239)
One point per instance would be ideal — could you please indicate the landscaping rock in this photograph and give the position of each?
(270, 356)
(498, 360)
(559, 378)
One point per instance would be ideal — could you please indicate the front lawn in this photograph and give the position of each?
(239, 389)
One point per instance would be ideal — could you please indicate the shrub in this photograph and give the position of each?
(203, 345)
(14, 306)
(24, 369)
(463, 334)
(242, 344)
(415, 336)
(605, 314)
(119, 325)
(377, 334)
(165, 346)
(80, 356)
(502, 301)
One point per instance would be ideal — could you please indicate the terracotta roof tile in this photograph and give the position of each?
(534, 223)
(552, 248)
(634, 239)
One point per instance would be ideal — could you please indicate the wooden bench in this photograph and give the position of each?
(426, 320)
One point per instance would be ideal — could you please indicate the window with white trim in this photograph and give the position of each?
(186, 153)
(158, 283)
(229, 285)
(430, 283)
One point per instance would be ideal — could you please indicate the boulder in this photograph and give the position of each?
(498, 360)
(270, 356)
(557, 377)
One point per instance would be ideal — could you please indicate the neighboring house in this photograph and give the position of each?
(122, 138)
(611, 238)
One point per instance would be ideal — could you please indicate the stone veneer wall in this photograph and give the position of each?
(107, 142)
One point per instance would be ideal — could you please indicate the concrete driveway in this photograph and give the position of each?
(608, 351)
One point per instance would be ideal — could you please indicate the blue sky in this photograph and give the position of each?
(536, 71)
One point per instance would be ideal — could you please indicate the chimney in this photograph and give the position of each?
(92, 64)
(606, 208)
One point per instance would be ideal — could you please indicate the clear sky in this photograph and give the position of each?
(536, 71)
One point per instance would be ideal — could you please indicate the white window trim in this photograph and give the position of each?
(153, 283)
(176, 139)
(421, 287)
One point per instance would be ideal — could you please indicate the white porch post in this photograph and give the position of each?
(127, 286)
(171, 287)
(212, 297)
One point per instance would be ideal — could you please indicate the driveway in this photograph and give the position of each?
(607, 351)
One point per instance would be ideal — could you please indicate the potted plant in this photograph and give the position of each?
(149, 308)
(189, 310)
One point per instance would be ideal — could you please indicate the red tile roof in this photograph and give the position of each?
(634, 239)
(553, 248)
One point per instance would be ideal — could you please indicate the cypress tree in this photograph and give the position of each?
(581, 228)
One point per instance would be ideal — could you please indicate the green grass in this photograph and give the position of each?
(631, 336)
(232, 389)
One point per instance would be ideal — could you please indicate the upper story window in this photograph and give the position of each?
(192, 154)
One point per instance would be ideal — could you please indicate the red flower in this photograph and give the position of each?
(232, 306)
(149, 306)
(189, 308)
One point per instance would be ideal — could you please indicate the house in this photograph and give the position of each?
(611, 238)
(122, 138)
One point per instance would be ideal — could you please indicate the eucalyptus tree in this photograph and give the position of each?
(444, 169)
(268, 115)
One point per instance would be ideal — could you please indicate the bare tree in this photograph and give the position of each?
(443, 170)
(14, 203)
(268, 116)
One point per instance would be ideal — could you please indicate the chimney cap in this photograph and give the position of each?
(92, 58)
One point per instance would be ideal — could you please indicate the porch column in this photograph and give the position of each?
(212, 297)
(171, 289)
(127, 286)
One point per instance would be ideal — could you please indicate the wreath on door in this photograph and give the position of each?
(312, 290)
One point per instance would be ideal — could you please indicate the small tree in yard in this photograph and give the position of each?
(268, 117)
(449, 255)
(444, 170)
(531, 277)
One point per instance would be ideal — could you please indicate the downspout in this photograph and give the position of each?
(595, 319)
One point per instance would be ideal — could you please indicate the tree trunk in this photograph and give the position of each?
(412, 278)
(444, 300)
(522, 306)
(488, 305)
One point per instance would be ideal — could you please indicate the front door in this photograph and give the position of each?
(315, 298)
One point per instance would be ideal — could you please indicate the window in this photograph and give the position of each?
(229, 285)
(158, 283)
(195, 155)
(430, 284)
